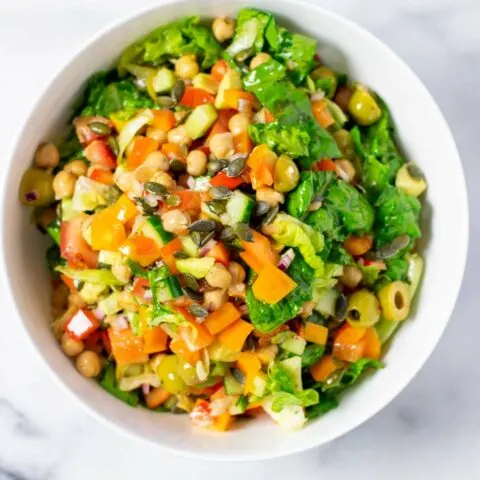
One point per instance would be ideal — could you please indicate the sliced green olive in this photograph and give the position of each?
(286, 174)
(395, 301)
(410, 180)
(36, 188)
(363, 309)
(167, 372)
(326, 79)
(187, 372)
(363, 107)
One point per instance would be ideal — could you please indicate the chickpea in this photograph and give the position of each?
(175, 221)
(237, 290)
(219, 276)
(186, 67)
(64, 184)
(157, 134)
(77, 167)
(214, 299)
(157, 160)
(221, 144)
(238, 123)
(179, 136)
(163, 178)
(46, 217)
(345, 169)
(269, 195)
(122, 272)
(196, 163)
(258, 59)
(223, 28)
(237, 272)
(75, 300)
(60, 296)
(123, 179)
(70, 346)
(307, 309)
(351, 276)
(47, 156)
(89, 364)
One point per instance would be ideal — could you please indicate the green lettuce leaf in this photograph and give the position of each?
(312, 354)
(305, 398)
(109, 383)
(324, 405)
(54, 260)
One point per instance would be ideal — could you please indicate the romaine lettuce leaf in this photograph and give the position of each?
(109, 383)
(305, 398)
(324, 405)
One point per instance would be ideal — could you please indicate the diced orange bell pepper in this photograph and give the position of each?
(195, 335)
(324, 368)
(163, 120)
(258, 253)
(179, 347)
(124, 209)
(173, 151)
(373, 347)
(223, 317)
(156, 340)
(243, 143)
(357, 246)
(349, 343)
(108, 233)
(82, 324)
(102, 176)
(272, 284)
(193, 97)
(140, 286)
(325, 165)
(234, 336)
(142, 147)
(222, 422)
(262, 164)
(167, 251)
(239, 100)
(220, 253)
(141, 249)
(127, 348)
(156, 397)
(315, 333)
(221, 179)
(322, 113)
(219, 70)
(250, 365)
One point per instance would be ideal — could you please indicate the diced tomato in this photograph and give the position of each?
(82, 324)
(84, 133)
(221, 124)
(166, 254)
(325, 165)
(98, 153)
(141, 249)
(222, 180)
(190, 201)
(73, 246)
(142, 147)
(380, 264)
(193, 97)
(220, 253)
(101, 175)
(68, 282)
(219, 70)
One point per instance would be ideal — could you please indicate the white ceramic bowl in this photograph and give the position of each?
(425, 138)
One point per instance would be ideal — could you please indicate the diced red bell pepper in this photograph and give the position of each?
(222, 180)
(219, 70)
(73, 246)
(82, 324)
(220, 253)
(102, 176)
(325, 165)
(98, 153)
(193, 97)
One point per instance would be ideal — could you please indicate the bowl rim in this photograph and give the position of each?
(421, 357)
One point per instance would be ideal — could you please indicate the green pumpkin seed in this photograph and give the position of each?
(341, 307)
(146, 208)
(244, 232)
(178, 90)
(191, 282)
(190, 293)
(100, 128)
(216, 206)
(206, 237)
(173, 200)
(236, 167)
(198, 311)
(392, 248)
(155, 189)
(203, 226)
(261, 208)
(227, 234)
(113, 145)
(238, 375)
(177, 166)
(214, 166)
(220, 193)
(270, 215)
(197, 238)
(165, 101)
(180, 255)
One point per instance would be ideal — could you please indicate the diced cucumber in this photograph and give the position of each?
(293, 366)
(66, 210)
(259, 385)
(205, 82)
(231, 80)
(164, 80)
(232, 387)
(189, 246)
(109, 305)
(98, 277)
(239, 208)
(415, 270)
(200, 120)
(91, 291)
(110, 258)
(295, 345)
(169, 289)
(153, 228)
(325, 303)
(198, 267)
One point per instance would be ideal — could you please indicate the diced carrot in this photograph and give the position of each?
(373, 347)
(322, 113)
(222, 422)
(222, 180)
(349, 343)
(223, 317)
(272, 284)
(193, 97)
(98, 153)
(315, 333)
(173, 151)
(250, 365)
(155, 339)
(243, 143)
(324, 368)
(142, 147)
(108, 233)
(357, 246)
(179, 347)
(325, 165)
(82, 324)
(219, 70)
(68, 282)
(140, 286)
(220, 253)
(142, 249)
(258, 253)
(269, 118)
(234, 336)
(167, 251)
(126, 347)
(163, 120)
(102, 176)
(124, 209)
(156, 397)
(239, 100)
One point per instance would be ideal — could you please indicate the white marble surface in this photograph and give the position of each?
(432, 430)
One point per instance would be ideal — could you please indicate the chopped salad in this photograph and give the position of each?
(233, 225)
